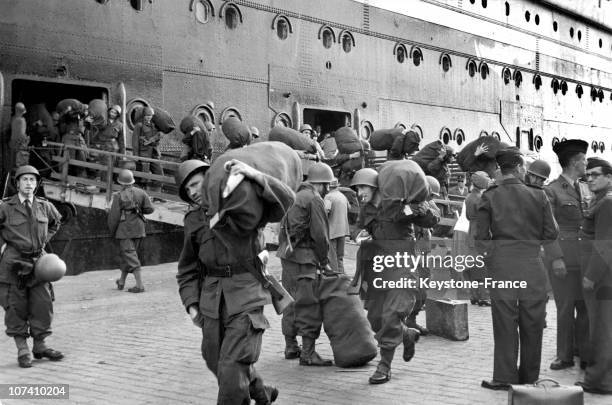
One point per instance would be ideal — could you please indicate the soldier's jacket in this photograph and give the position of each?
(145, 132)
(232, 244)
(306, 227)
(125, 218)
(514, 220)
(599, 221)
(111, 137)
(568, 205)
(22, 234)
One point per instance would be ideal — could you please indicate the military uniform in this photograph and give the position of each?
(127, 224)
(147, 133)
(513, 220)
(27, 302)
(568, 202)
(215, 272)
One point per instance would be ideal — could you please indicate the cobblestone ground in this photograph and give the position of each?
(124, 348)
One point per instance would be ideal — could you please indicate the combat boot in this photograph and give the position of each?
(292, 349)
(411, 336)
(23, 352)
(383, 370)
(309, 357)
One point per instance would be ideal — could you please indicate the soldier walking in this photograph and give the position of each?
(27, 224)
(513, 221)
(127, 224)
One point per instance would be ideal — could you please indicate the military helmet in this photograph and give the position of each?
(116, 108)
(540, 169)
(27, 169)
(148, 111)
(434, 186)
(365, 177)
(305, 127)
(320, 173)
(187, 169)
(254, 132)
(125, 177)
(49, 268)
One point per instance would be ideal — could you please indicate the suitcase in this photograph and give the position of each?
(542, 394)
(447, 318)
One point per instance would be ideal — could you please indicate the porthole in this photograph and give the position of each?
(459, 136)
(579, 91)
(538, 142)
(483, 133)
(507, 9)
(484, 70)
(471, 67)
(564, 87)
(593, 93)
(400, 124)
(571, 32)
(283, 27)
(518, 78)
(506, 75)
(602, 147)
(328, 65)
(134, 108)
(484, 3)
(204, 10)
(594, 146)
(600, 95)
(417, 128)
(537, 82)
(554, 84)
(472, 1)
(537, 19)
(102, 1)
(600, 43)
(527, 16)
(136, 4)
(555, 26)
(400, 53)
(496, 135)
(348, 41)
(205, 112)
(231, 14)
(445, 135)
(579, 35)
(230, 112)
(327, 36)
(445, 61)
(416, 55)
(555, 141)
(366, 130)
(563, 139)
(282, 120)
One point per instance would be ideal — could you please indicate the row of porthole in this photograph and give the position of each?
(595, 146)
(536, 19)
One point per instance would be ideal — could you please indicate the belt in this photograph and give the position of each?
(228, 270)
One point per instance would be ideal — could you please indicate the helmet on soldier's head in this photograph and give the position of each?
(365, 177)
(125, 177)
(320, 173)
(539, 168)
(116, 108)
(148, 111)
(49, 268)
(434, 186)
(187, 169)
(27, 169)
(305, 127)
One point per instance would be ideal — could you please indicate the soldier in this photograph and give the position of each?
(198, 142)
(303, 250)
(513, 221)
(460, 189)
(217, 287)
(127, 224)
(145, 143)
(597, 280)
(306, 129)
(337, 206)
(568, 198)
(388, 308)
(438, 168)
(27, 224)
(19, 141)
(537, 173)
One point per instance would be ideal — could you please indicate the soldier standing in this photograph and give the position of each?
(27, 224)
(568, 198)
(597, 280)
(303, 250)
(513, 221)
(337, 207)
(145, 143)
(216, 283)
(388, 308)
(19, 142)
(127, 224)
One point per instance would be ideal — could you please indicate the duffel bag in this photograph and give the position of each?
(293, 139)
(347, 140)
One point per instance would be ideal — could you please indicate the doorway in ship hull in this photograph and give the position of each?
(328, 120)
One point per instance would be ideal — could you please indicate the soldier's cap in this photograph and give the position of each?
(480, 180)
(508, 157)
(594, 162)
(570, 147)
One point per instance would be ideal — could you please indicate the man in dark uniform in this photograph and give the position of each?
(303, 250)
(126, 222)
(392, 232)
(216, 283)
(569, 198)
(145, 143)
(513, 221)
(597, 280)
(27, 224)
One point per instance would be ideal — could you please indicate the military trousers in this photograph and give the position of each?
(572, 318)
(338, 247)
(128, 255)
(151, 167)
(29, 311)
(598, 373)
(386, 310)
(231, 346)
(306, 316)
